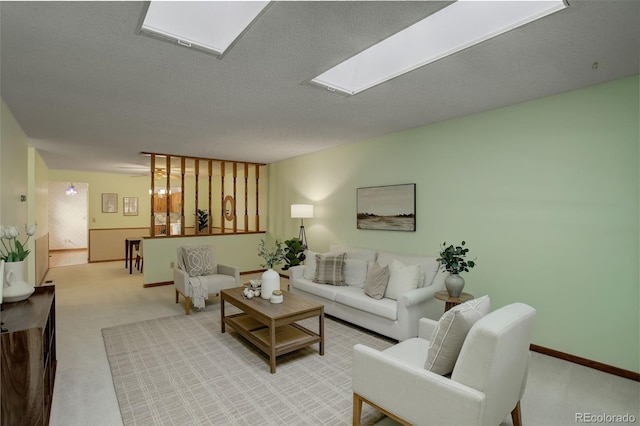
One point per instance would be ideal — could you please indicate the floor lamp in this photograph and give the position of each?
(302, 211)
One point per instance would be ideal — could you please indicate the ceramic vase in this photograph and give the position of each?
(15, 288)
(454, 284)
(270, 282)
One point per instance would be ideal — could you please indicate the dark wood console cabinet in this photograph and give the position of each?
(28, 359)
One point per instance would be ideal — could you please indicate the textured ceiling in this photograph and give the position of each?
(91, 93)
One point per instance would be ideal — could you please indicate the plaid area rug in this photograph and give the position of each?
(182, 370)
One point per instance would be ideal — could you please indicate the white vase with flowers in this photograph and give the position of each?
(14, 253)
(272, 256)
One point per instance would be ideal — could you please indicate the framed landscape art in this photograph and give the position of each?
(387, 208)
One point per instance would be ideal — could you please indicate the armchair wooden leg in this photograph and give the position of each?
(357, 409)
(177, 295)
(516, 415)
(187, 305)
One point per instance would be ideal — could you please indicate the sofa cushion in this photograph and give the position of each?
(214, 283)
(325, 291)
(355, 271)
(412, 351)
(199, 260)
(450, 332)
(367, 255)
(355, 298)
(377, 280)
(330, 269)
(429, 266)
(402, 278)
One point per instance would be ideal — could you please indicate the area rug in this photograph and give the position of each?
(182, 370)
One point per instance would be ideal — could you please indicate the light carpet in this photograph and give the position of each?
(181, 370)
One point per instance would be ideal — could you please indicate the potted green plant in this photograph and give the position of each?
(453, 260)
(273, 256)
(293, 253)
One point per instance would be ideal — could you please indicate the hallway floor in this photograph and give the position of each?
(59, 258)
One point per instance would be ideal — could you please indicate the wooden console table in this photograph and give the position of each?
(29, 358)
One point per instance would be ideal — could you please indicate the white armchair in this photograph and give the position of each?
(198, 275)
(486, 385)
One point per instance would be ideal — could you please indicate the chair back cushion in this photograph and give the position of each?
(197, 260)
(494, 356)
(450, 333)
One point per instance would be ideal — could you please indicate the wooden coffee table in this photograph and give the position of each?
(272, 327)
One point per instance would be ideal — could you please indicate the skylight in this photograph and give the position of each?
(450, 30)
(212, 26)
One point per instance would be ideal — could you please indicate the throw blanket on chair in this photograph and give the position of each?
(198, 292)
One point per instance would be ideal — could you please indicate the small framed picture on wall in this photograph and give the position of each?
(109, 203)
(130, 206)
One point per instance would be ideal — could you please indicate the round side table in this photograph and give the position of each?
(450, 302)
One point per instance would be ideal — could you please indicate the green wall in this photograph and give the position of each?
(239, 250)
(545, 193)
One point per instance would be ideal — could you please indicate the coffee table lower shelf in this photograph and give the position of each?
(273, 328)
(288, 338)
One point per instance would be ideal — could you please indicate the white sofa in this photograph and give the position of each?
(397, 319)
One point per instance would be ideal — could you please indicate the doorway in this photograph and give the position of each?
(68, 224)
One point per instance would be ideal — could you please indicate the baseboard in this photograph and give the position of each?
(158, 284)
(257, 271)
(627, 374)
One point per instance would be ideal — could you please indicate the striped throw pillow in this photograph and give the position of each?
(330, 269)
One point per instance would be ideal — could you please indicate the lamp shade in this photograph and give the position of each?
(301, 211)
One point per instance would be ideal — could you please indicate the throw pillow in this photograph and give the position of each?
(355, 272)
(402, 278)
(450, 332)
(377, 280)
(199, 260)
(330, 269)
(310, 265)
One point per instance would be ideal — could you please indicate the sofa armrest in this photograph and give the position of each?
(181, 281)
(416, 304)
(426, 327)
(386, 381)
(230, 270)
(296, 272)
